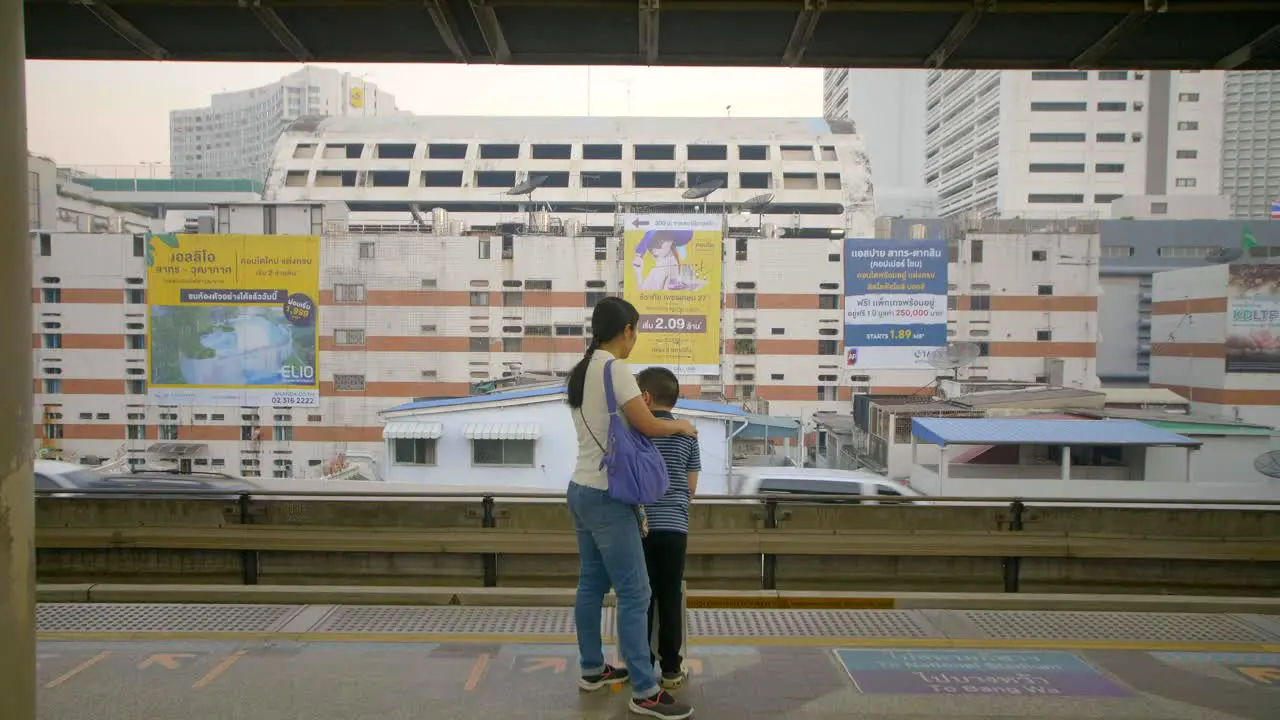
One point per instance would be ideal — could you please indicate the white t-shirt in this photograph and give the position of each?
(595, 412)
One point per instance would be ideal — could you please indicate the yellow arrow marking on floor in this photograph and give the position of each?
(78, 669)
(547, 663)
(1261, 675)
(168, 661)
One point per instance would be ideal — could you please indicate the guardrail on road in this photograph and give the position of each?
(786, 542)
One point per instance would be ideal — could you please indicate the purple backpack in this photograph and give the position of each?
(637, 474)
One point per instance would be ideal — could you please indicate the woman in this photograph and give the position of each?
(609, 544)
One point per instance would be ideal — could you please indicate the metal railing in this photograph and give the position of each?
(1009, 540)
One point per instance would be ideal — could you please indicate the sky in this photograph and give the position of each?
(116, 114)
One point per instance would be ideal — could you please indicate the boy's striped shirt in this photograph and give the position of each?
(680, 454)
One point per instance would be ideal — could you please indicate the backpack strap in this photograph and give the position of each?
(610, 399)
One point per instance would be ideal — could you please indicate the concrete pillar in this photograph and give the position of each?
(17, 540)
(1066, 464)
(943, 470)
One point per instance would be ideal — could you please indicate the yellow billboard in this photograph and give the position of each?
(672, 274)
(233, 319)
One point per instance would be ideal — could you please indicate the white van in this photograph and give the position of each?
(817, 481)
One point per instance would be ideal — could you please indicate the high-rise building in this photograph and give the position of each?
(1065, 143)
(1251, 142)
(235, 135)
(887, 110)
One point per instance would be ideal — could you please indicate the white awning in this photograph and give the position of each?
(503, 431)
(412, 431)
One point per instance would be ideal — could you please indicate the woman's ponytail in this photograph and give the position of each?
(578, 378)
(610, 318)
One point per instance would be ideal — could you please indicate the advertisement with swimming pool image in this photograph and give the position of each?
(233, 319)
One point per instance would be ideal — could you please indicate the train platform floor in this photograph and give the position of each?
(332, 662)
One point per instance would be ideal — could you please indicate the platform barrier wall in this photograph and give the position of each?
(733, 545)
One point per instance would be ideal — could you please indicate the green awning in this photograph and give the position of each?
(1184, 428)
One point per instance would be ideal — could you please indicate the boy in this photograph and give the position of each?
(668, 525)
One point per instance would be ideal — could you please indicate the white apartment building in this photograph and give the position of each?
(407, 314)
(1223, 364)
(1065, 143)
(234, 136)
(886, 108)
(1251, 142)
(468, 284)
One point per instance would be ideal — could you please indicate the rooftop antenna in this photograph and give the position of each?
(757, 205)
(954, 356)
(526, 188)
(703, 190)
(1268, 463)
(1223, 255)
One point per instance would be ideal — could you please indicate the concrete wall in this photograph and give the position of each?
(1219, 458)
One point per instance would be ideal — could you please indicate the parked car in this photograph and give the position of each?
(844, 484)
(52, 476)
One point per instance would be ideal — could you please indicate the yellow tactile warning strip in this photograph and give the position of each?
(706, 641)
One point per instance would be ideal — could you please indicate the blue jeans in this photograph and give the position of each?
(611, 553)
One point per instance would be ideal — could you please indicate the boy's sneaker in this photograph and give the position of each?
(662, 706)
(609, 676)
(675, 680)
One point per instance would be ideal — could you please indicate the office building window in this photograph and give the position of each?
(1060, 75)
(1059, 106)
(1188, 97)
(1185, 182)
(1060, 198)
(1188, 125)
(1113, 75)
(1109, 167)
(1110, 137)
(414, 451)
(1057, 167)
(1188, 154)
(502, 453)
(1057, 137)
(348, 383)
(1112, 106)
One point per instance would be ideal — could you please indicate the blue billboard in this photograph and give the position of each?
(895, 305)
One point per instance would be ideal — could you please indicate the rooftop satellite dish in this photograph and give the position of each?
(529, 185)
(1219, 256)
(758, 203)
(1268, 463)
(954, 356)
(703, 189)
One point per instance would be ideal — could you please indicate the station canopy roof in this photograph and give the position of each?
(981, 34)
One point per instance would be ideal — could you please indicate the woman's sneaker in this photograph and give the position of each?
(675, 680)
(662, 706)
(609, 676)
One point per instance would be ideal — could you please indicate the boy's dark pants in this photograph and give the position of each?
(664, 555)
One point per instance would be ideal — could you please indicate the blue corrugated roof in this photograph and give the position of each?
(474, 399)
(694, 405)
(1013, 431)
